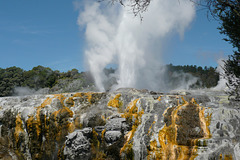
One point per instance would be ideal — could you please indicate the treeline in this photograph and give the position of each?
(207, 77)
(42, 77)
(14, 80)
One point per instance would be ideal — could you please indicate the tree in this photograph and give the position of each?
(40, 77)
(232, 75)
(228, 12)
(9, 79)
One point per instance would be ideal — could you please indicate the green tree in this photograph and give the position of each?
(228, 11)
(9, 79)
(40, 77)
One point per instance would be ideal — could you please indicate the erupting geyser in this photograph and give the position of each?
(115, 36)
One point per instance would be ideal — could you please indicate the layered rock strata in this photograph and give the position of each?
(125, 124)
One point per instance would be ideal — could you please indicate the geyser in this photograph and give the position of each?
(115, 36)
(222, 81)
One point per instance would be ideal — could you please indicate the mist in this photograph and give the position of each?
(222, 81)
(181, 81)
(23, 91)
(115, 36)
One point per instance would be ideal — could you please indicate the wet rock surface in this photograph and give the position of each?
(77, 146)
(125, 124)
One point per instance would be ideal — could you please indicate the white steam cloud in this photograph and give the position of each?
(115, 36)
(222, 82)
(182, 81)
(23, 91)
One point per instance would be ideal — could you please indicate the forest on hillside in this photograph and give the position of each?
(44, 80)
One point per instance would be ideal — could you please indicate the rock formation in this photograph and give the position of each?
(125, 124)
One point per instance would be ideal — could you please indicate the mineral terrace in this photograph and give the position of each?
(124, 124)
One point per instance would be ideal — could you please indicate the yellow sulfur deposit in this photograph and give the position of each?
(114, 102)
(172, 144)
(131, 114)
(70, 101)
(118, 125)
(37, 122)
(88, 95)
(149, 130)
(159, 98)
(18, 128)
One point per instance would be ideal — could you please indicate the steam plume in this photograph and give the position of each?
(115, 36)
(23, 91)
(222, 82)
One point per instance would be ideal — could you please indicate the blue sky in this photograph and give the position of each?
(46, 33)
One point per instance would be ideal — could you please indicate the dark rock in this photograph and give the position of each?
(116, 124)
(76, 146)
(112, 136)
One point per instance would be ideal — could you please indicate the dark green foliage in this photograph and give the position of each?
(43, 77)
(231, 28)
(40, 77)
(207, 76)
(72, 81)
(228, 14)
(9, 79)
(228, 11)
